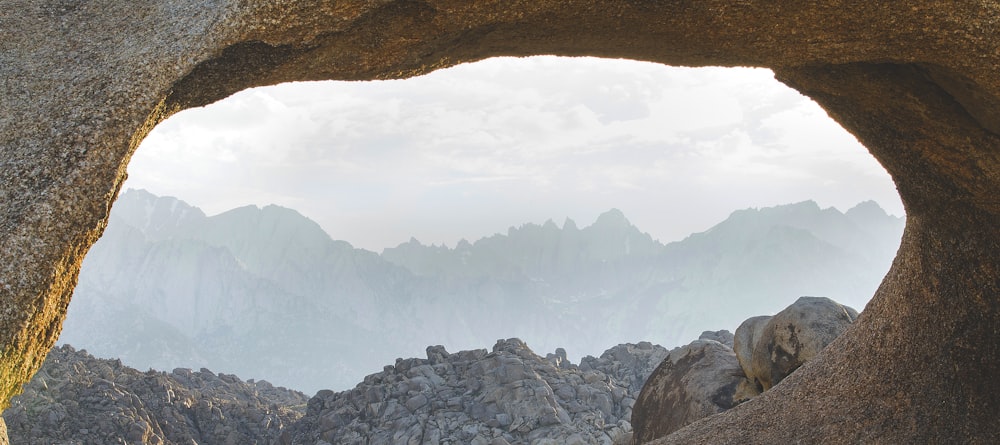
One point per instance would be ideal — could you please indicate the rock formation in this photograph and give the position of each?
(695, 381)
(76, 398)
(509, 395)
(708, 376)
(506, 396)
(784, 342)
(915, 81)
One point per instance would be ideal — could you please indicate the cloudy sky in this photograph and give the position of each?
(472, 150)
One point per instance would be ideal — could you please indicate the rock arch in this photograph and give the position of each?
(83, 82)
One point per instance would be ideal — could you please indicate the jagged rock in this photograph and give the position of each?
(694, 381)
(792, 337)
(76, 398)
(914, 81)
(725, 337)
(509, 395)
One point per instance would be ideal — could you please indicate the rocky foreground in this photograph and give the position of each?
(507, 395)
(78, 399)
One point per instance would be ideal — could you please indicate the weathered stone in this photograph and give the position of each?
(693, 382)
(77, 398)
(701, 379)
(794, 336)
(725, 337)
(83, 83)
(510, 395)
(746, 338)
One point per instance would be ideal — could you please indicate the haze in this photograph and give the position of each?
(469, 151)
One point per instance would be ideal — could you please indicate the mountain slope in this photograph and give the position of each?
(253, 290)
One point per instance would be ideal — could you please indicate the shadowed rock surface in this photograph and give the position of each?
(83, 83)
(78, 399)
(695, 381)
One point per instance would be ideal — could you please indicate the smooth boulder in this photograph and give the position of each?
(794, 336)
(693, 382)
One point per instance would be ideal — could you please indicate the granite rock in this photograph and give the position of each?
(76, 398)
(794, 336)
(915, 82)
(509, 395)
(693, 382)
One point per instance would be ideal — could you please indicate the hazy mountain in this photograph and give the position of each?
(266, 293)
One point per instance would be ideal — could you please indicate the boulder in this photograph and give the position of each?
(792, 337)
(746, 338)
(693, 382)
(708, 377)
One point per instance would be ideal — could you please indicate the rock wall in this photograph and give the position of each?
(83, 82)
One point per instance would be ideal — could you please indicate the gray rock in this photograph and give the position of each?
(507, 396)
(76, 398)
(794, 336)
(725, 337)
(746, 337)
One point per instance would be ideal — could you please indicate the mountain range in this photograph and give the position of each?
(266, 293)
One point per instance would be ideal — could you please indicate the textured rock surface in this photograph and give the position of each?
(794, 336)
(746, 337)
(82, 83)
(708, 376)
(695, 381)
(76, 398)
(507, 396)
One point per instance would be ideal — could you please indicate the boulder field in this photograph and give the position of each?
(83, 82)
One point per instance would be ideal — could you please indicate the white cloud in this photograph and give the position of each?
(468, 151)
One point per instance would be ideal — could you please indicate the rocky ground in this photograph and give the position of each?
(81, 400)
(508, 395)
(505, 396)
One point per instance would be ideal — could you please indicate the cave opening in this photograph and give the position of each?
(490, 150)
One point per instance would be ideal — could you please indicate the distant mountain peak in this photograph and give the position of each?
(867, 209)
(612, 218)
(151, 214)
(570, 225)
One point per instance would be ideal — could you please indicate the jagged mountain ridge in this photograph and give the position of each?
(253, 289)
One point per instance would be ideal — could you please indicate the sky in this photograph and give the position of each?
(469, 151)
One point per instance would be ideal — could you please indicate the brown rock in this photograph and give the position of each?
(746, 337)
(693, 382)
(83, 83)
